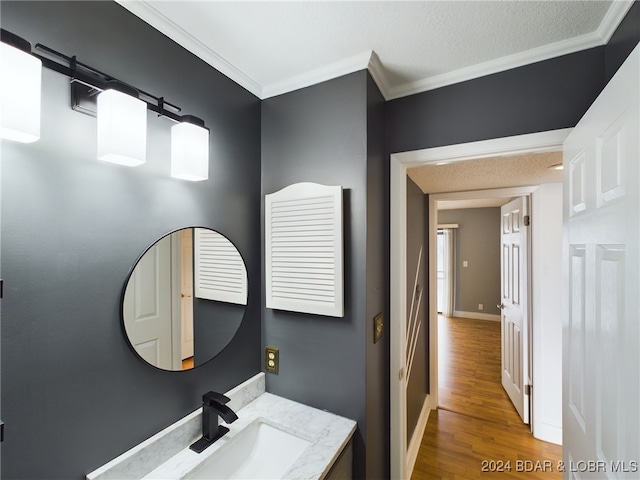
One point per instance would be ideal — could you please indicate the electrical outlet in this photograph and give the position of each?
(272, 360)
(465, 263)
(480, 306)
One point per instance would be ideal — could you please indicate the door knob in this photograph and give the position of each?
(501, 306)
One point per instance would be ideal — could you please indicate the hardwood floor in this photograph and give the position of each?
(476, 432)
(187, 363)
(469, 377)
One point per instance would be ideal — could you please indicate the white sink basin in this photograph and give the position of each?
(258, 451)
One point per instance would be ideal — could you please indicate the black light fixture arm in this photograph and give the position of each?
(94, 79)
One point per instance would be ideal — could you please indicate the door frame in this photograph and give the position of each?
(176, 311)
(401, 461)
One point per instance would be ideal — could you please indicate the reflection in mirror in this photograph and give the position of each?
(184, 299)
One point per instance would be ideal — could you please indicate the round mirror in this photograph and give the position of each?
(184, 299)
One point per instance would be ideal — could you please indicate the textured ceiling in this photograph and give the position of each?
(473, 203)
(488, 173)
(272, 47)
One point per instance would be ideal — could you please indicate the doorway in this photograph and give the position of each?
(492, 281)
(481, 269)
(446, 268)
(402, 449)
(440, 269)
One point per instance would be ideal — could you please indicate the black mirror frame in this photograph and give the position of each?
(126, 283)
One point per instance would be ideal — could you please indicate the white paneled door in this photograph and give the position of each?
(147, 306)
(514, 315)
(601, 400)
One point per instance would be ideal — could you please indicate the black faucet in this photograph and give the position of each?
(213, 407)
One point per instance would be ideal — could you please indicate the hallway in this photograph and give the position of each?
(476, 432)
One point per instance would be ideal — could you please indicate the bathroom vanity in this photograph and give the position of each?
(273, 437)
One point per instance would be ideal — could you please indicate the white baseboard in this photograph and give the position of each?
(477, 315)
(548, 433)
(416, 438)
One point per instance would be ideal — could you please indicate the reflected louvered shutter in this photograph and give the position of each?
(219, 270)
(303, 240)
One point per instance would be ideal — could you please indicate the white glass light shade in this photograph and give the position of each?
(189, 152)
(122, 128)
(20, 87)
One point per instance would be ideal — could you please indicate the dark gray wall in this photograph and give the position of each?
(377, 360)
(417, 238)
(320, 134)
(214, 325)
(73, 395)
(542, 96)
(477, 242)
(623, 41)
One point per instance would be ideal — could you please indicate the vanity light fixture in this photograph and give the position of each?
(120, 108)
(190, 149)
(20, 90)
(122, 125)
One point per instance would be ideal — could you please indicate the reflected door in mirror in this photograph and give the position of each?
(185, 299)
(147, 306)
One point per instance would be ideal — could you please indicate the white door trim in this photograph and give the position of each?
(399, 163)
(176, 310)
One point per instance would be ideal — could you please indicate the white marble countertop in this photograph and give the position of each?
(166, 455)
(328, 434)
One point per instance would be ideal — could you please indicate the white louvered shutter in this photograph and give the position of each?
(219, 270)
(303, 240)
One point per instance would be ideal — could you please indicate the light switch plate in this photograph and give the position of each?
(378, 327)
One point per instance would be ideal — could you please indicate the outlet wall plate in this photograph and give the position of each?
(272, 359)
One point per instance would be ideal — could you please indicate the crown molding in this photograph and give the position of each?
(601, 36)
(613, 18)
(319, 75)
(502, 64)
(145, 11)
(369, 60)
(379, 75)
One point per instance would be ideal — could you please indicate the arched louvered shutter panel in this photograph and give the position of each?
(304, 252)
(219, 270)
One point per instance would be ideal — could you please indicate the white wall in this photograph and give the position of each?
(547, 312)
